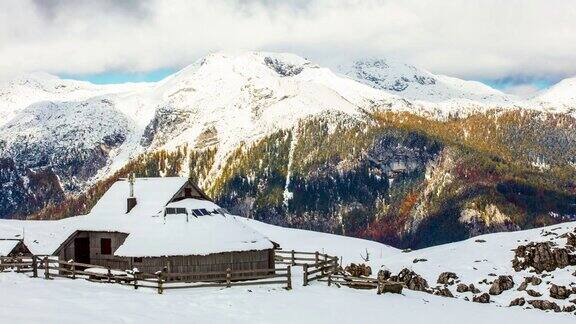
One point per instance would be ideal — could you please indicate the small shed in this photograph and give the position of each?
(13, 248)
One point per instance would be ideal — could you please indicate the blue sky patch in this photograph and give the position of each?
(122, 77)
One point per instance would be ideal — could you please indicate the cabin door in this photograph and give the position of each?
(82, 249)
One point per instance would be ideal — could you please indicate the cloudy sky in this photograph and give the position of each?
(516, 45)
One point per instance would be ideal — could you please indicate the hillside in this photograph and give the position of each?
(281, 139)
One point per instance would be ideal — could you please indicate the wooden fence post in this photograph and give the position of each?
(46, 268)
(160, 289)
(109, 274)
(34, 267)
(305, 266)
(228, 277)
(329, 280)
(317, 257)
(293, 260)
(135, 280)
(288, 278)
(18, 261)
(73, 271)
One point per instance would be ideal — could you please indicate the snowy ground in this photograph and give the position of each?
(26, 300)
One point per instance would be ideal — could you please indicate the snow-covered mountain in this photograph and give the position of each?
(268, 131)
(560, 97)
(415, 84)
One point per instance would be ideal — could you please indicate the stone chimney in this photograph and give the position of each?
(131, 201)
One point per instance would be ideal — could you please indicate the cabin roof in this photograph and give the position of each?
(150, 231)
(192, 235)
(152, 194)
(6, 246)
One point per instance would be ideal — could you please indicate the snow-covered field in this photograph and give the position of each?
(26, 300)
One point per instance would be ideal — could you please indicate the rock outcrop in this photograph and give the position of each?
(533, 293)
(447, 278)
(542, 256)
(545, 305)
(444, 292)
(483, 298)
(559, 292)
(412, 280)
(518, 302)
(501, 284)
(462, 288)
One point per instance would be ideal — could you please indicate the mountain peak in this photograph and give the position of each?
(413, 83)
(562, 93)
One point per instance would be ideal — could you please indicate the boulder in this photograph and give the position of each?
(412, 280)
(569, 308)
(501, 284)
(462, 288)
(529, 280)
(523, 286)
(483, 298)
(533, 293)
(534, 280)
(419, 260)
(358, 270)
(390, 287)
(541, 256)
(447, 278)
(518, 302)
(545, 305)
(444, 292)
(559, 292)
(473, 289)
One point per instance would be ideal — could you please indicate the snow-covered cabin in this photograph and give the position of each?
(156, 224)
(13, 248)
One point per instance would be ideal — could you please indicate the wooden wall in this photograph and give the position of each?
(96, 258)
(217, 262)
(246, 260)
(181, 194)
(20, 250)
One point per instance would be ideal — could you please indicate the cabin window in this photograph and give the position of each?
(137, 260)
(105, 246)
(172, 211)
(187, 192)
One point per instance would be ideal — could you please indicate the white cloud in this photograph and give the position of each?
(464, 38)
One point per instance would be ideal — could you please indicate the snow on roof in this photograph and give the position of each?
(6, 246)
(152, 194)
(191, 235)
(149, 235)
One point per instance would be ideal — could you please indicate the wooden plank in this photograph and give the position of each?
(223, 273)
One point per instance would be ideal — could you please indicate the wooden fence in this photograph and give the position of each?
(315, 265)
(19, 264)
(50, 267)
(350, 281)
